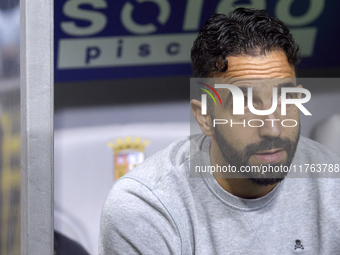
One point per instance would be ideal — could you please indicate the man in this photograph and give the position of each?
(159, 209)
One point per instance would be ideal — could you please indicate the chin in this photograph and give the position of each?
(266, 181)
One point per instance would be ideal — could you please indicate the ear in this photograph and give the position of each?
(204, 121)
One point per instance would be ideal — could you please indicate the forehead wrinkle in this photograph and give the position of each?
(248, 73)
(257, 67)
(246, 70)
(273, 65)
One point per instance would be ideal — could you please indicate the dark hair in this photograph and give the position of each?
(244, 32)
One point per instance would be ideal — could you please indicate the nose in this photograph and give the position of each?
(272, 126)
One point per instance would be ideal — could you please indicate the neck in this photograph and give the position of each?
(240, 187)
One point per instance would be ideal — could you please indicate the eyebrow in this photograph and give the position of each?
(287, 84)
(244, 89)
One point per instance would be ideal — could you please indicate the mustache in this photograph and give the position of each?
(268, 144)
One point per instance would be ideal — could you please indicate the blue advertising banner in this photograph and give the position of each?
(102, 39)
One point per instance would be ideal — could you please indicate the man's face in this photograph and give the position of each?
(272, 143)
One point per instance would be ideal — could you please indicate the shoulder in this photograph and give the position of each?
(146, 178)
(153, 181)
(134, 221)
(167, 163)
(146, 197)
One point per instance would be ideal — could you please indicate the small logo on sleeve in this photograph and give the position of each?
(298, 245)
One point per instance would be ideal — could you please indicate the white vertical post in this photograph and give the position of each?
(36, 81)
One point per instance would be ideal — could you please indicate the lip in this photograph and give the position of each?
(269, 152)
(269, 156)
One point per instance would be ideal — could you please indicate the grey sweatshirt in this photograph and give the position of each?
(159, 209)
